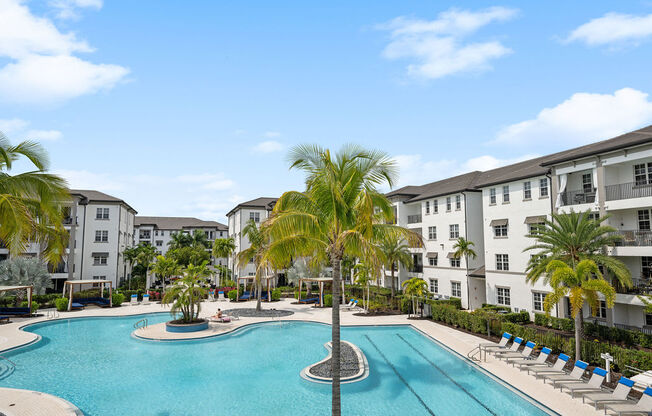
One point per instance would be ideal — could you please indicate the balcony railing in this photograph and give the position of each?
(417, 268)
(577, 197)
(640, 286)
(413, 219)
(144, 236)
(69, 221)
(628, 190)
(634, 238)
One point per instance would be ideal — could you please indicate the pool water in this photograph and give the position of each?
(95, 364)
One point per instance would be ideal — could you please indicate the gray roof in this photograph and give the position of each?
(465, 182)
(259, 203)
(177, 223)
(521, 170)
(97, 196)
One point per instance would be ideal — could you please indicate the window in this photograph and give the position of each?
(456, 289)
(102, 214)
(99, 277)
(100, 260)
(101, 236)
(427, 207)
(648, 319)
(543, 187)
(646, 267)
(159, 243)
(458, 202)
(432, 261)
(432, 233)
(537, 301)
(587, 182)
(644, 220)
(503, 296)
(255, 216)
(643, 176)
(502, 262)
(448, 204)
(435, 206)
(534, 228)
(594, 216)
(500, 230)
(455, 262)
(454, 231)
(144, 234)
(602, 310)
(505, 194)
(492, 196)
(434, 286)
(527, 190)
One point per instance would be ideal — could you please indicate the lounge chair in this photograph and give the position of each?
(516, 344)
(16, 311)
(556, 368)
(348, 305)
(246, 295)
(502, 344)
(76, 305)
(575, 375)
(309, 300)
(146, 299)
(4, 318)
(539, 361)
(220, 295)
(592, 386)
(223, 319)
(644, 405)
(618, 396)
(351, 305)
(134, 300)
(524, 354)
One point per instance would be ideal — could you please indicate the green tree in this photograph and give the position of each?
(199, 239)
(186, 293)
(224, 248)
(166, 268)
(179, 239)
(340, 212)
(189, 255)
(363, 276)
(32, 202)
(146, 255)
(23, 271)
(130, 255)
(464, 248)
(415, 287)
(582, 285)
(396, 252)
(259, 244)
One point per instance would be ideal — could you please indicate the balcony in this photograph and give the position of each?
(577, 197)
(417, 268)
(69, 221)
(628, 190)
(145, 236)
(634, 238)
(413, 219)
(641, 285)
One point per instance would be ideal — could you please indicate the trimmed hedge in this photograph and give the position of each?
(454, 302)
(328, 300)
(233, 294)
(117, 299)
(562, 324)
(617, 335)
(276, 294)
(516, 317)
(35, 305)
(61, 304)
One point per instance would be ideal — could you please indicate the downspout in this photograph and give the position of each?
(466, 258)
(117, 257)
(83, 240)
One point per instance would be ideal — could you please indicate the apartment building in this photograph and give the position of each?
(442, 212)
(157, 231)
(257, 210)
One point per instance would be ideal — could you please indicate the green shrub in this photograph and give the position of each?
(497, 308)
(7, 301)
(617, 335)
(61, 304)
(117, 299)
(276, 294)
(233, 295)
(228, 283)
(454, 302)
(405, 304)
(517, 317)
(35, 305)
(328, 300)
(562, 324)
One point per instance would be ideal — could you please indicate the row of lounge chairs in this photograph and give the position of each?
(571, 382)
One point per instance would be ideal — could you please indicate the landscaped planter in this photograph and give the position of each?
(178, 326)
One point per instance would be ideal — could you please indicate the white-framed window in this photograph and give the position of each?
(500, 230)
(159, 243)
(435, 206)
(502, 262)
(434, 286)
(255, 216)
(492, 196)
(427, 207)
(534, 228)
(543, 187)
(587, 182)
(432, 261)
(644, 220)
(432, 233)
(527, 190)
(537, 301)
(503, 296)
(455, 262)
(448, 204)
(505, 194)
(156, 233)
(100, 260)
(646, 267)
(99, 277)
(643, 176)
(101, 236)
(454, 231)
(456, 289)
(458, 202)
(602, 310)
(102, 214)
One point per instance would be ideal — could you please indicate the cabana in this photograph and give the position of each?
(68, 286)
(249, 295)
(321, 281)
(19, 310)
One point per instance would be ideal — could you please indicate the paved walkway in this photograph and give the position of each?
(11, 336)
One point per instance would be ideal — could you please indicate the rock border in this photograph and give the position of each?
(363, 366)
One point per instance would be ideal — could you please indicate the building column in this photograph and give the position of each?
(555, 190)
(71, 240)
(601, 188)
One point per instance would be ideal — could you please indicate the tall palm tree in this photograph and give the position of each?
(130, 255)
(198, 238)
(187, 293)
(464, 248)
(363, 276)
(415, 287)
(31, 203)
(582, 284)
(396, 252)
(258, 244)
(179, 239)
(146, 255)
(340, 212)
(223, 248)
(166, 268)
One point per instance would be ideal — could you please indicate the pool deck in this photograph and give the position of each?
(11, 336)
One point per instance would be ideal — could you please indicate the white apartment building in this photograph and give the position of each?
(442, 212)
(257, 210)
(157, 231)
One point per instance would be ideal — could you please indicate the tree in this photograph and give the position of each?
(415, 287)
(396, 252)
(340, 212)
(130, 255)
(189, 255)
(146, 255)
(199, 239)
(582, 284)
(464, 248)
(179, 239)
(256, 253)
(223, 248)
(186, 294)
(23, 271)
(363, 277)
(166, 268)
(32, 203)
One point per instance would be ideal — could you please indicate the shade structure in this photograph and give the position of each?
(321, 281)
(30, 290)
(69, 284)
(536, 219)
(253, 278)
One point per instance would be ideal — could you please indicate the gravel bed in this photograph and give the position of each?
(349, 365)
(253, 313)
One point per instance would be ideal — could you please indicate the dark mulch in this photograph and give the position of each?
(181, 322)
(253, 313)
(349, 365)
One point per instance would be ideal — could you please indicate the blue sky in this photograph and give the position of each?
(186, 108)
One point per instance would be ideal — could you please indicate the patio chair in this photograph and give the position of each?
(516, 344)
(644, 405)
(134, 300)
(592, 386)
(556, 368)
(575, 375)
(146, 299)
(502, 344)
(540, 360)
(220, 296)
(618, 396)
(351, 305)
(526, 353)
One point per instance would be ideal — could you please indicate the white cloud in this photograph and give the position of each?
(272, 134)
(43, 135)
(11, 126)
(613, 28)
(439, 47)
(69, 9)
(16, 129)
(581, 119)
(42, 67)
(215, 182)
(268, 146)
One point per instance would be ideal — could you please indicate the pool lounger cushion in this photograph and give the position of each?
(15, 311)
(76, 305)
(309, 300)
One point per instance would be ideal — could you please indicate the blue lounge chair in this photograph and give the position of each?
(76, 305)
(246, 295)
(516, 344)
(488, 346)
(526, 353)
(575, 374)
(618, 396)
(309, 300)
(594, 385)
(643, 406)
(15, 311)
(556, 368)
(540, 361)
(4, 318)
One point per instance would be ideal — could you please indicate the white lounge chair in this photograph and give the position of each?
(351, 305)
(524, 354)
(592, 386)
(516, 344)
(556, 368)
(575, 375)
(134, 300)
(146, 299)
(618, 396)
(643, 406)
(539, 361)
(502, 344)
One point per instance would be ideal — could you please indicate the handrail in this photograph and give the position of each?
(8, 360)
(51, 314)
(143, 321)
(471, 354)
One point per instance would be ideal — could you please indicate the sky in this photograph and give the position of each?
(188, 108)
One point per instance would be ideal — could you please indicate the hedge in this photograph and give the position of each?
(61, 304)
(233, 294)
(35, 305)
(563, 324)
(516, 317)
(454, 302)
(617, 335)
(117, 299)
(328, 300)
(276, 294)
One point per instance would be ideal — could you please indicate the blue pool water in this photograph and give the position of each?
(96, 364)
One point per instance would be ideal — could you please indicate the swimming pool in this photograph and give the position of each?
(95, 364)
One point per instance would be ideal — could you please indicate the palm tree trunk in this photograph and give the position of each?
(259, 290)
(335, 337)
(393, 286)
(579, 334)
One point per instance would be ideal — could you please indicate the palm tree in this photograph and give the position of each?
(258, 245)
(179, 240)
(186, 294)
(464, 248)
(582, 284)
(415, 287)
(362, 275)
(25, 271)
(198, 238)
(340, 212)
(223, 248)
(166, 268)
(396, 252)
(31, 203)
(146, 255)
(130, 255)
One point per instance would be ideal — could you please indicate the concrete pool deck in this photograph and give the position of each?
(11, 336)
